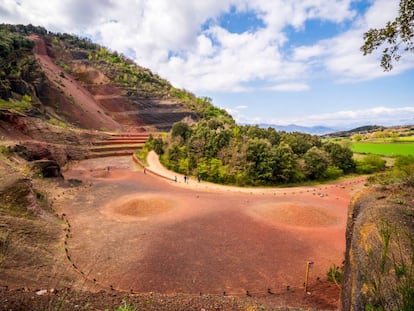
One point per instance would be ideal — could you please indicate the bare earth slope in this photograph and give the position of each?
(89, 98)
(84, 108)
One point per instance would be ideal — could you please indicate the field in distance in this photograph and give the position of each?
(389, 149)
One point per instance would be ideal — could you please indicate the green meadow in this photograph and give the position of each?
(384, 149)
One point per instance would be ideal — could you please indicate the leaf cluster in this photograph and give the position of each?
(219, 150)
(397, 36)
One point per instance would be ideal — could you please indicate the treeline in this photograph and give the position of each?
(219, 150)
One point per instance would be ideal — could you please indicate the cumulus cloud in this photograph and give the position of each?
(375, 115)
(341, 56)
(289, 87)
(237, 113)
(184, 41)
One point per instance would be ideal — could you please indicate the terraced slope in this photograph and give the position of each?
(118, 145)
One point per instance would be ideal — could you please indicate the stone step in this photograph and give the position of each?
(121, 153)
(123, 141)
(131, 147)
(129, 135)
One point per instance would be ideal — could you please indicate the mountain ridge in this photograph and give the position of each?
(314, 130)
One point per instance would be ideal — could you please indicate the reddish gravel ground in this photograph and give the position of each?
(137, 232)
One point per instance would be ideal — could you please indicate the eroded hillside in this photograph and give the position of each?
(72, 82)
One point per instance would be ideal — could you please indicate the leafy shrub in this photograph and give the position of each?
(4, 150)
(125, 306)
(370, 164)
(404, 169)
(333, 172)
(335, 274)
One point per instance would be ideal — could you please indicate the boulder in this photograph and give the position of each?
(32, 152)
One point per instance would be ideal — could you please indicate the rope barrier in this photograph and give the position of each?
(248, 293)
(146, 169)
(111, 287)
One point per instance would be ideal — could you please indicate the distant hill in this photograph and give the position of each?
(360, 129)
(315, 130)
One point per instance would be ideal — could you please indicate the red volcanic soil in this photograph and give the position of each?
(135, 231)
(84, 107)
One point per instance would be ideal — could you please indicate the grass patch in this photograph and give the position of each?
(20, 106)
(58, 123)
(385, 149)
(125, 306)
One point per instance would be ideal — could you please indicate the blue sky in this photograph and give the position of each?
(279, 61)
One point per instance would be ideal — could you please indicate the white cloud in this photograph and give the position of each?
(236, 113)
(207, 57)
(341, 56)
(304, 53)
(289, 87)
(375, 115)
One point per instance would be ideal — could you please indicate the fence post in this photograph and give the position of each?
(308, 263)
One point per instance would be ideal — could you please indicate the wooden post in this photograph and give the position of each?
(308, 263)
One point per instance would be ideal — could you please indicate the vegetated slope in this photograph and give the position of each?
(379, 267)
(72, 81)
(379, 258)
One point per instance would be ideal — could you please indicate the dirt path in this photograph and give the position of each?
(135, 231)
(155, 165)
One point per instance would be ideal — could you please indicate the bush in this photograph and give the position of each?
(333, 172)
(4, 150)
(370, 164)
(126, 307)
(404, 169)
(335, 274)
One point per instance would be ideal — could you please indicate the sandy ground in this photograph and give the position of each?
(134, 231)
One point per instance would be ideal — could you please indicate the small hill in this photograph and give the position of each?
(358, 130)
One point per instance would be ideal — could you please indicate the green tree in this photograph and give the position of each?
(260, 159)
(181, 129)
(158, 146)
(217, 171)
(284, 169)
(357, 137)
(397, 35)
(316, 163)
(340, 157)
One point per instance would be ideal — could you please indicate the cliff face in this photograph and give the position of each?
(379, 260)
